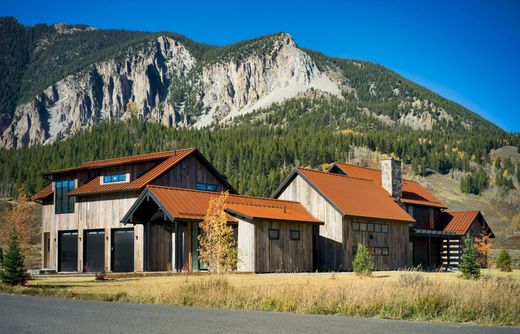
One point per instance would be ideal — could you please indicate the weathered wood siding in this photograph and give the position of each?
(246, 246)
(396, 240)
(329, 244)
(103, 211)
(187, 174)
(283, 255)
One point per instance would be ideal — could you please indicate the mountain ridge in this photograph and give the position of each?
(173, 80)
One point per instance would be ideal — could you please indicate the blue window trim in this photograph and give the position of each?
(121, 177)
(206, 186)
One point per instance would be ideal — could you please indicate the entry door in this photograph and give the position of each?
(68, 251)
(94, 246)
(46, 250)
(122, 250)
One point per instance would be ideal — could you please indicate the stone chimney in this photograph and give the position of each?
(391, 179)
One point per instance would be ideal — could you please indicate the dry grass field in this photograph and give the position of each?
(492, 300)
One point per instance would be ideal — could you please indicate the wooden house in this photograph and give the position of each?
(271, 235)
(436, 236)
(354, 210)
(83, 207)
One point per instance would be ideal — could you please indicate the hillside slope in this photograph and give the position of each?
(71, 77)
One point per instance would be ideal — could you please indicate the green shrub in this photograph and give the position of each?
(469, 261)
(503, 261)
(363, 264)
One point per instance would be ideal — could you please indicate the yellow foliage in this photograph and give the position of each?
(347, 132)
(216, 241)
(132, 107)
(19, 216)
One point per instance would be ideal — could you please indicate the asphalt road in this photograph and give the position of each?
(24, 314)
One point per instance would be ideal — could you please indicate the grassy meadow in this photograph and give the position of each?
(491, 300)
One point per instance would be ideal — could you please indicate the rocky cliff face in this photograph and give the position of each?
(142, 83)
(137, 83)
(169, 80)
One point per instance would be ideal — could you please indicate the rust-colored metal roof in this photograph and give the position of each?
(94, 186)
(354, 196)
(412, 191)
(193, 204)
(44, 193)
(121, 161)
(459, 222)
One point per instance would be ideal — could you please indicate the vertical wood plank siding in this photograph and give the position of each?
(284, 254)
(330, 242)
(396, 240)
(105, 211)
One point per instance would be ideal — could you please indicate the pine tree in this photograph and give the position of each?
(503, 261)
(363, 264)
(469, 260)
(13, 271)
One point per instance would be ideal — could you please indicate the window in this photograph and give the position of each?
(114, 178)
(385, 250)
(274, 234)
(295, 234)
(354, 250)
(370, 227)
(63, 203)
(206, 186)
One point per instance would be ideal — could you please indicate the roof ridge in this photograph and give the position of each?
(344, 163)
(333, 174)
(137, 155)
(216, 193)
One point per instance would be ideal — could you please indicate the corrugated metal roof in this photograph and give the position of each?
(44, 193)
(459, 221)
(121, 161)
(94, 186)
(355, 196)
(412, 192)
(193, 204)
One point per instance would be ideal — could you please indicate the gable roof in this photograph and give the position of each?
(169, 158)
(459, 222)
(44, 193)
(181, 203)
(412, 192)
(351, 196)
(121, 161)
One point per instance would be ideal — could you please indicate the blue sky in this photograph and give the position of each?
(467, 51)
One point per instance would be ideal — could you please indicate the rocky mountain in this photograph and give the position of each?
(61, 79)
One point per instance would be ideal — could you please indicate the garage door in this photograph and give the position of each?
(68, 251)
(94, 257)
(123, 250)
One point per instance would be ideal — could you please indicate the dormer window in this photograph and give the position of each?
(122, 177)
(206, 186)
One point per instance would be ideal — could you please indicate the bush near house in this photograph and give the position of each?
(469, 266)
(363, 264)
(503, 261)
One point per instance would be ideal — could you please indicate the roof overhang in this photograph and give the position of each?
(146, 195)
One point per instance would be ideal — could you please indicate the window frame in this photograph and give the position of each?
(292, 237)
(206, 186)
(63, 203)
(274, 230)
(115, 178)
